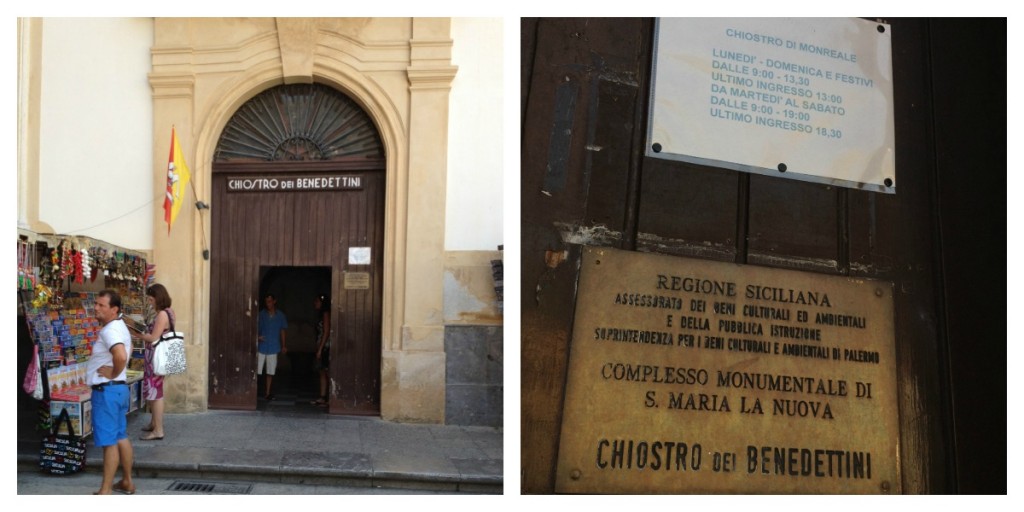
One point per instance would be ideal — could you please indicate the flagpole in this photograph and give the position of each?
(200, 206)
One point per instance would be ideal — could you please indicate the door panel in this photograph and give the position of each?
(937, 239)
(296, 228)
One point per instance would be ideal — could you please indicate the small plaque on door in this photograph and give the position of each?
(357, 280)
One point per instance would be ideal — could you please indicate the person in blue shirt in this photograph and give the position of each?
(271, 340)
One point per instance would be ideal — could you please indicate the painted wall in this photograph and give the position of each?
(473, 219)
(469, 288)
(95, 149)
(111, 91)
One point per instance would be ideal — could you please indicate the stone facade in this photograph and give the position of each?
(474, 375)
(473, 347)
(399, 70)
(201, 70)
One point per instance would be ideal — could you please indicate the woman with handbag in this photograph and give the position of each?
(322, 363)
(153, 384)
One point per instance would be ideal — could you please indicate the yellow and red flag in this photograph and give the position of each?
(177, 179)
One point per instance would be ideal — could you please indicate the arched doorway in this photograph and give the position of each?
(298, 191)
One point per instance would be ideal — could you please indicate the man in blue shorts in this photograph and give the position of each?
(106, 374)
(271, 328)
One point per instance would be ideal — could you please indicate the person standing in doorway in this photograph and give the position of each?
(322, 363)
(106, 374)
(153, 384)
(271, 340)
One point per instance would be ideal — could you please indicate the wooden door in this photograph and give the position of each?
(298, 181)
(296, 229)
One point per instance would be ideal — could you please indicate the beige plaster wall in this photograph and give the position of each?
(30, 53)
(469, 295)
(400, 71)
(82, 98)
(476, 137)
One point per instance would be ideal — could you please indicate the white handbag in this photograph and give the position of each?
(169, 353)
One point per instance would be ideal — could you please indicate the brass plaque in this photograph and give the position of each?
(357, 280)
(692, 376)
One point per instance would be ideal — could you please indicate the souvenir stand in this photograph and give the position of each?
(58, 279)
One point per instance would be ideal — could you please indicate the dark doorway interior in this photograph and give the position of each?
(295, 288)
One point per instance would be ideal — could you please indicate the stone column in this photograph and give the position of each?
(30, 53)
(413, 385)
(173, 83)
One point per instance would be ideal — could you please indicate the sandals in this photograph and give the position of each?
(121, 488)
(319, 402)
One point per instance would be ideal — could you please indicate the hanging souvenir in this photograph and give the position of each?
(55, 263)
(86, 267)
(21, 268)
(77, 262)
(67, 263)
(43, 296)
(24, 266)
(99, 261)
(30, 266)
(116, 270)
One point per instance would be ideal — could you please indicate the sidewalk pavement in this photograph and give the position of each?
(298, 444)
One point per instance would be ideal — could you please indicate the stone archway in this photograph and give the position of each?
(298, 182)
(403, 85)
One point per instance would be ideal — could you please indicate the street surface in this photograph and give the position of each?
(36, 483)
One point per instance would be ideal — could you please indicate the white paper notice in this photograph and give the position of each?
(808, 99)
(358, 255)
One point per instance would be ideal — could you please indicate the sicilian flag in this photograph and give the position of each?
(177, 180)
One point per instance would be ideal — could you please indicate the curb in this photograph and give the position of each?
(363, 476)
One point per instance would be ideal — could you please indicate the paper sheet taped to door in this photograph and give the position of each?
(809, 99)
